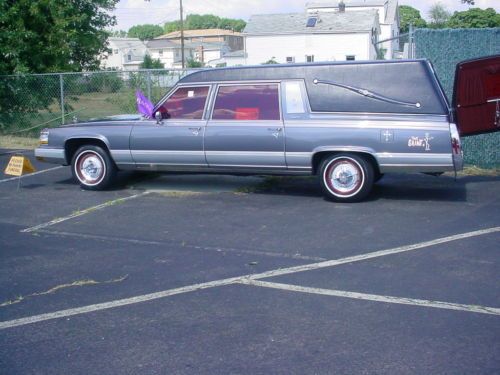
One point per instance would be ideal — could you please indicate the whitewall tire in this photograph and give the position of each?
(93, 168)
(346, 177)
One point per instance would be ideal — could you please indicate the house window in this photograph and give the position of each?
(129, 57)
(160, 52)
(311, 21)
(309, 58)
(115, 51)
(185, 103)
(290, 59)
(247, 102)
(350, 57)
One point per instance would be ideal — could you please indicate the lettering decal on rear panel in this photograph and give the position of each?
(424, 142)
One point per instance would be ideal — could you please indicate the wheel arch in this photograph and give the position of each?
(71, 145)
(320, 153)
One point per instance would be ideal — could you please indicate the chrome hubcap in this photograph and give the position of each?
(344, 177)
(90, 168)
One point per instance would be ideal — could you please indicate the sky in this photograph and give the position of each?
(137, 12)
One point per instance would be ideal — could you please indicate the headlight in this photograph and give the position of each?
(44, 137)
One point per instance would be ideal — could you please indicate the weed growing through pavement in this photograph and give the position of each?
(84, 282)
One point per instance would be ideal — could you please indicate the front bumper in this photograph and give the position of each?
(51, 155)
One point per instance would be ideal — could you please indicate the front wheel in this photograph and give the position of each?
(93, 168)
(346, 177)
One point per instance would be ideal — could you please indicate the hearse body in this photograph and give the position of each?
(348, 123)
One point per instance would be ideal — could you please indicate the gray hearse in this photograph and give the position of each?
(347, 122)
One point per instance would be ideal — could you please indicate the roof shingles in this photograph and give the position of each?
(288, 23)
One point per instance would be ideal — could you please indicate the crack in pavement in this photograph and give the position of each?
(183, 244)
(54, 289)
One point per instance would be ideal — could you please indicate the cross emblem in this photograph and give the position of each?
(387, 136)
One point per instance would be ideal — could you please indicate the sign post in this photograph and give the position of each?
(19, 165)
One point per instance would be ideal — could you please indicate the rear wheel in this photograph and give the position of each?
(93, 168)
(378, 176)
(346, 177)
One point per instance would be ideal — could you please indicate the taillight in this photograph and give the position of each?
(456, 145)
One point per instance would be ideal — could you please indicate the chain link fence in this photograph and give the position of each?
(447, 47)
(29, 103)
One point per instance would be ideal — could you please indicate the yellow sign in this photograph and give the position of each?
(19, 165)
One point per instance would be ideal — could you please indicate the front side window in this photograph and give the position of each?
(185, 103)
(247, 102)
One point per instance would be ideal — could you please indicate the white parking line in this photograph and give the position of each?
(236, 280)
(31, 174)
(375, 254)
(376, 297)
(83, 212)
(116, 303)
(20, 151)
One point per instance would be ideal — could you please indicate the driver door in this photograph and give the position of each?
(177, 140)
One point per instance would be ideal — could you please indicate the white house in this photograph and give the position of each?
(168, 52)
(233, 58)
(124, 54)
(312, 36)
(388, 17)
(205, 52)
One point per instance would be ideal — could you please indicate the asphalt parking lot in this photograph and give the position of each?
(179, 274)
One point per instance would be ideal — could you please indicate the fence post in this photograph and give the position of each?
(61, 86)
(410, 42)
(149, 84)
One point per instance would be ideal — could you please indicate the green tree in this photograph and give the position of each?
(145, 32)
(39, 36)
(206, 21)
(409, 15)
(439, 16)
(271, 61)
(149, 63)
(118, 33)
(475, 18)
(381, 53)
(171, 26)
(232, 24)
(190, 63)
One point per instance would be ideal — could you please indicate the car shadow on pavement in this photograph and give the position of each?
(412, 187)
(421, 187)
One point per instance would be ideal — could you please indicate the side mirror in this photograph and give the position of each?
(158, 117)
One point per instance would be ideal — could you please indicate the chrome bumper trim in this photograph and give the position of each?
(51, 155)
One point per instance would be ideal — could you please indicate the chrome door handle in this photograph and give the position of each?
(195, 131)
(275, 132)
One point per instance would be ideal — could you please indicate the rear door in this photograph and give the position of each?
(476, 97)
(246, 130)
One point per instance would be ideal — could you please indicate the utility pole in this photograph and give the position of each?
(182, 37)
